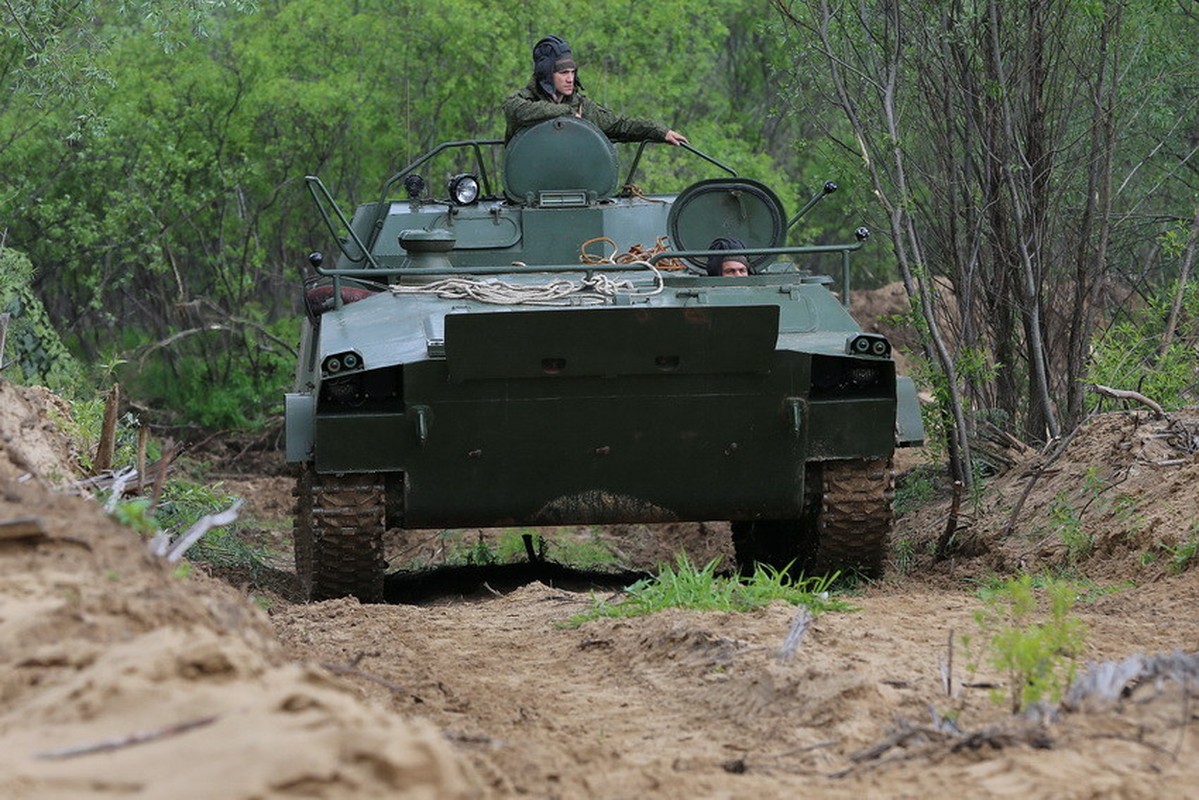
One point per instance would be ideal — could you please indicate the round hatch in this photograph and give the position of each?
(560, 155)
(738, 208)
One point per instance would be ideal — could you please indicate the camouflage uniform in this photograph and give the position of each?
(530, 105)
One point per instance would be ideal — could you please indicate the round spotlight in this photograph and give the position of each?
(879, 347)
(349, 360)
(861, 345)
(464, 189)
(332, 364)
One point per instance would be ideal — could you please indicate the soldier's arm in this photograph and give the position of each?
(623, 129)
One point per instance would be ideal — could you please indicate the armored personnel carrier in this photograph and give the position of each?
(479, 358)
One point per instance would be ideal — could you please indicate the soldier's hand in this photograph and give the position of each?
(676, 138)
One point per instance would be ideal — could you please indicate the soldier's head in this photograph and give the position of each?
(554, 67)
(730, 266)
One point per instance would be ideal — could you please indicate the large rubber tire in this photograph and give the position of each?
(854, 525)
(845, 526)
(338, 535)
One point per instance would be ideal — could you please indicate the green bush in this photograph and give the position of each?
(1038, 657)
(220, 379)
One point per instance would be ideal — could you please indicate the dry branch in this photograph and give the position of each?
(1037, 472)
(3, 335)
(161, 545)
(137, 737)
(352, 669)
(1126, 394)
(799, 628)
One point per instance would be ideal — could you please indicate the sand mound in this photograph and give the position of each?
(30, 440)
(1118, 503)
(102, 645)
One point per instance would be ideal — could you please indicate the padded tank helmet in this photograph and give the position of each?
(715, 262)
(550, 54)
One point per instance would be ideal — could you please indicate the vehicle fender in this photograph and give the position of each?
(297, 421)
(909, 427)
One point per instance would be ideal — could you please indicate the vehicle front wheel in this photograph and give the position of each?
(338, 535)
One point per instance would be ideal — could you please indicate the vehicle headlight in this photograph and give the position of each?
(464, 189)
(868, 344)
(339, 362)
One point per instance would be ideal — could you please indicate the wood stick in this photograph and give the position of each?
(1126, 394)
(949, 667)
(143, 439)
(137, 737)
(799, 628)
(3, 335)
(164, 464)
(108, 431)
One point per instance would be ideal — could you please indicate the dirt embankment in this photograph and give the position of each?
(493, 696)
(102, 644)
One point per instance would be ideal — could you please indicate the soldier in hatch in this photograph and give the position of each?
(730, 266)
(555, 91)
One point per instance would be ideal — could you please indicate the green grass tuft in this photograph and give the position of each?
(701, 589)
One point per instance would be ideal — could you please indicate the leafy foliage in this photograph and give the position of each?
(34, 352)
(1129, 355)
(164, 182)
(1183, 554)
(158, 186)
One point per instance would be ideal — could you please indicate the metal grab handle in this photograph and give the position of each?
(314, 184)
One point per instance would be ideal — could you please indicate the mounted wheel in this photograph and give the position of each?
(845, 525)
(338, 535)
(856, 514)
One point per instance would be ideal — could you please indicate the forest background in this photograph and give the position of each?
(1028, 168)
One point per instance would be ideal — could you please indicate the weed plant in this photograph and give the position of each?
(1067, 523)
(701, 589)
(1028, 633)
(915, 488)
(1182, 554)
(905, 555)
(181, 505)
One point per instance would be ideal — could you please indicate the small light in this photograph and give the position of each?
(332, 364)
(414, 185)
(464, 189)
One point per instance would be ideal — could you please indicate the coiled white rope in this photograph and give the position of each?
(597, 289)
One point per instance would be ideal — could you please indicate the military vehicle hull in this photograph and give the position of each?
(671, 397)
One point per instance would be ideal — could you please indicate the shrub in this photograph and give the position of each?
(1038, 657)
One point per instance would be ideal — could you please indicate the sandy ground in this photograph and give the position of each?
(122, 676)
